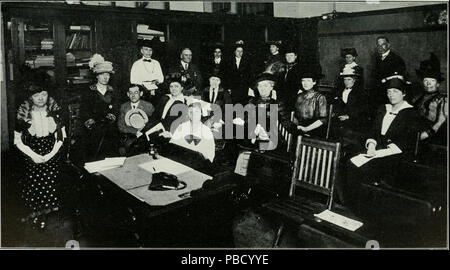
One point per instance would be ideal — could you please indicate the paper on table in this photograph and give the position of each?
(340, 220)
(105, 164)
(165, 165)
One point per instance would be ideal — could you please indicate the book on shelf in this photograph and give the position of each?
(77, 41)
(80, 27)
(46, 44)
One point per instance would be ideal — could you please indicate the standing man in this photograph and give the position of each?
(289, 81)
(190, 74)
(239, 75)
(147, 71)
(274, 63)
(386, 64)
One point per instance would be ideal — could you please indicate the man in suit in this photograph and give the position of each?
(289, 81)
(190, 74)
(239, 75)
(147, 71)
(135, 117)
(386, 63)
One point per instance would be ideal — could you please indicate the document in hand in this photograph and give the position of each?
(339, 220)
(154, 129)
(106, 164)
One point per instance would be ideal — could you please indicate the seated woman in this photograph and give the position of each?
(99, 111)
(169, 102)
(311, 107)
(391, 140)
(432, 104)
(39, 135)
(259, 125)
(217, 97)
(195, 135)
(349, 116)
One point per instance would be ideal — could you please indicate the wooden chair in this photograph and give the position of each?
(315, 170)
(286, 137)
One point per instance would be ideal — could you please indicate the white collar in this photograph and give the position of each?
(184, 63)
(102, 90)
(276, 53)
(384, 55)
(216, 89)
(351, 65)
(135, 104)
(180, 97)
(404, 105)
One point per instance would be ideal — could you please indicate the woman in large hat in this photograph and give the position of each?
(311, 107)
(349, 55)
(349, 111)
(274, 63)
(432, 104)
(99, 111)
(39, 135)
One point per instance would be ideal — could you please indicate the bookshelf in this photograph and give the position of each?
(39, 45)
(79, 38)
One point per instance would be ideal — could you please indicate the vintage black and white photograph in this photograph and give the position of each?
(224, 125)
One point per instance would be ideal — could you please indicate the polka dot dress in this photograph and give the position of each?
(40, 184)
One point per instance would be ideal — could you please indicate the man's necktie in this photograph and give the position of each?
(147, 60)
(392, 113)
(191, 138)
(213, 96)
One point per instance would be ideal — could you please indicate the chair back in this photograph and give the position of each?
(285, 135)
(329, 122)
(315, 167)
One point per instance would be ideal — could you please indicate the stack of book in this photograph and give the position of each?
(41, 61)
(47, 44)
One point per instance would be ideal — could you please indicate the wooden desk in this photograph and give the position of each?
(114, 211)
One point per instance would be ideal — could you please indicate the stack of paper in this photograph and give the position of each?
(339, 220)
(106, 164)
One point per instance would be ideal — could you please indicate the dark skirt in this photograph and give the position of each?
(41, 183)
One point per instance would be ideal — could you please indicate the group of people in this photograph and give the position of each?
(177, 107)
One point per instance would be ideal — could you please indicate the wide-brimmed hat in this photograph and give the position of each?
(430, 68)
(239, 44)
(145, 43)
(398, 81)
(277, 43)
(266, 76)
(99, 65)
(349, 72)
(215, 73)
(346, 51)
(311, 72)
(175, 77)
(217, 45)
(290, 48)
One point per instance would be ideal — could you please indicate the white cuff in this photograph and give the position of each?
(370, 141)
